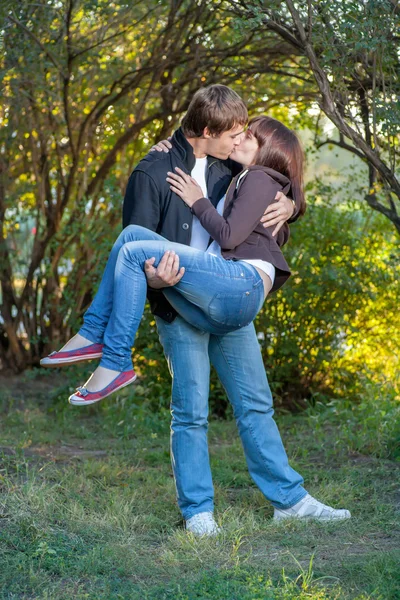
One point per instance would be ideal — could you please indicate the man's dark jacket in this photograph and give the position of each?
(150, 203)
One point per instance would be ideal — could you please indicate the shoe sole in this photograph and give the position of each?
(281, 518)
(87, 402)
(59, 362)
(201, 535)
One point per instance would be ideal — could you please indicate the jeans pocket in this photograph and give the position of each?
(230, 309)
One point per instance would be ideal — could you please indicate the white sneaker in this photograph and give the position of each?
(310, 508)
(203, 524)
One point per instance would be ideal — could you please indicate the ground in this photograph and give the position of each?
(88, 507)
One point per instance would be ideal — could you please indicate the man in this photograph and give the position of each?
(211, 128)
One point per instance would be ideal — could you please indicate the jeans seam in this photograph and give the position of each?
(249, 425)
(128, 329)
(167, 352)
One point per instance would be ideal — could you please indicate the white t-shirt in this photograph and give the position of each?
(200, 237)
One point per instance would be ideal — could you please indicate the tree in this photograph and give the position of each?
(351, 48)
(87, 86)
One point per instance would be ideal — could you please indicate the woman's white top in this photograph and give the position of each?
(215, 249)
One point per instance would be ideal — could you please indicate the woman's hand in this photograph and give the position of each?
(162, 146)
(185, 186)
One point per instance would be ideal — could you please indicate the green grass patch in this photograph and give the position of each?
(88, 506)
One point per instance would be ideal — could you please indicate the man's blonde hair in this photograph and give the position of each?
(217, 107)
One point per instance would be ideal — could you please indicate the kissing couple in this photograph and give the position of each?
(205, 220)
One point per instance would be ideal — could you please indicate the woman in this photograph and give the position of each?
(222, 289)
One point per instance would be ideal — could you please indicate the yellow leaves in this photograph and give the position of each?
(376, 188)
(86, 110)
(26, 135)
(28, 199)
(7, 78)
(55, 111)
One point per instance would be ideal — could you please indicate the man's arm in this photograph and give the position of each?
(141, 202)
(142, 207)
(280, 212)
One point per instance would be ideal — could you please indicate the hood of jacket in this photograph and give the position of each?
(278, 177)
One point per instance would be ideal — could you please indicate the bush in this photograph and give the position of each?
(337, 318)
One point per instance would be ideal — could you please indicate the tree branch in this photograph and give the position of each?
(30, 33)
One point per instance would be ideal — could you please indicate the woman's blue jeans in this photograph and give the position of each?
(214, 294)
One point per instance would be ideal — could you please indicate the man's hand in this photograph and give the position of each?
(278, 213)
(166, 274)
(163, 146)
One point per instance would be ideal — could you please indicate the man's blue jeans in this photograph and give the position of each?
(237, 358)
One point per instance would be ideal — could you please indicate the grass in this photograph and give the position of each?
(88, 507)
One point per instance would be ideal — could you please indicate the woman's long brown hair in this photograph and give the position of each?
(280, 149)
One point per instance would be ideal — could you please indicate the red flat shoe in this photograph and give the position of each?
(82, 396)
(57, 359)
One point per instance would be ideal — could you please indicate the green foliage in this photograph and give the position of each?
(351, 49)
(369, 421)
(87, 88)
(330, 324)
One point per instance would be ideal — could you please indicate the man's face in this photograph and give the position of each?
(222, 145)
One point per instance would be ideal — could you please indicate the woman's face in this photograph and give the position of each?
(246, 151)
